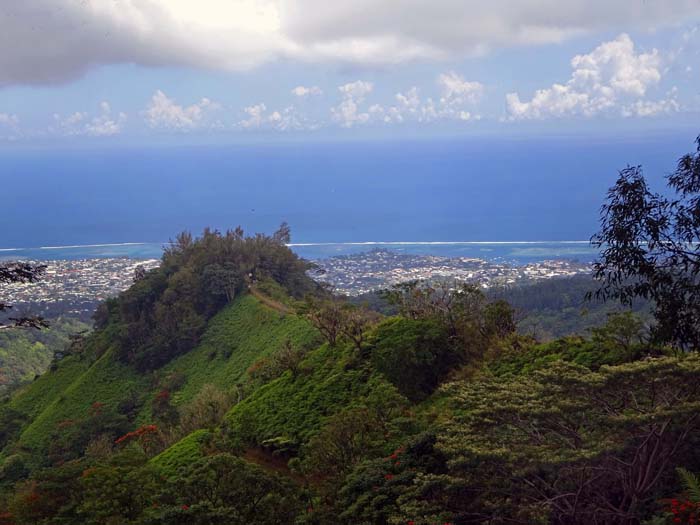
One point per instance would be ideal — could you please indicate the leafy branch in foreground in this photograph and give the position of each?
(691, 483)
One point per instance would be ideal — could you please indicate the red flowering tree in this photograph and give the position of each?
(147, 436)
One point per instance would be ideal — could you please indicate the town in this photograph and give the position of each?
(75, 287)
(364, 272)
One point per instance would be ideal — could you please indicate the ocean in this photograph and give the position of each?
(511, 252)
(487, 190)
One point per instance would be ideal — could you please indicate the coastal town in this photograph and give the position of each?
(364, 272)
(75, 287)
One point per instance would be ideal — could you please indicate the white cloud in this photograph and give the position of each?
(303, 91)
(458, 100)
(457, 90)
(57, 40)
(81, 123)
(611, 78)
(9, 127)
(650, 108)
(163, 112)
(358, 89)
(255, 118)
(287, 119)
(106, 124)
(8, 120)
(456, 94)
(348, 113)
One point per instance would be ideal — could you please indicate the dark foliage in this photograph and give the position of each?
(414, 354)
(165, 311)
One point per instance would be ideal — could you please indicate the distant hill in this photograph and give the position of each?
(547, 309)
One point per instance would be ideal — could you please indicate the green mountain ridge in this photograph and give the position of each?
(210, 392)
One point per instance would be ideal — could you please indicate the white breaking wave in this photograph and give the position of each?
(428, 243)
(304, 244)
(89, 246)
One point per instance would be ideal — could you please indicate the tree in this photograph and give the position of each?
(283, 235)
(413, 354)
(11, 422)
(622, 330)
(650, 249)
(470, 319)
(50, 496)
(288, 358)
(394, 488)
(327, 315)
(585, 447)
(356, 322)
(499, 319)
(118, 492)
(347, 437)
(223, 280)
(20, 272)
(206, 410)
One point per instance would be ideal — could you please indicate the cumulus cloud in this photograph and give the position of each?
(649, 108)
(456, 89)
(287, 119)
(611, 78)
(348, 113)
(256, 116)
(58, 40)
(9, 126)
(105, 124)
(303, 91)
(163, 112)
(458, 101)
(8, 120)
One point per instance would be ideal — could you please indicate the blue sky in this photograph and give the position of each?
(163, 71)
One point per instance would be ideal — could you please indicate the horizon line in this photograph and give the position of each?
(308, 244)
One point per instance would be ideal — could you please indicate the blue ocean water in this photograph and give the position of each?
(488, 189)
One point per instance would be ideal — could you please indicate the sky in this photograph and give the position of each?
(101, 72)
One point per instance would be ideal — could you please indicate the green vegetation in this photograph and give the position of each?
(183, 453)
(235, 339)
(285, 413)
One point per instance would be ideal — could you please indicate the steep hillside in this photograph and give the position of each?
(234, 339)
